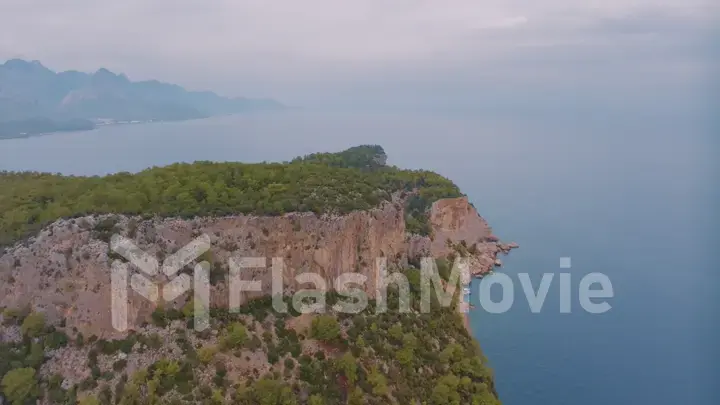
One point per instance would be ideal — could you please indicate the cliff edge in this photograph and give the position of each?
(64, 271)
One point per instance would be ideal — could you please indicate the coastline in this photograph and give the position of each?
(485, 269)
(98, 124)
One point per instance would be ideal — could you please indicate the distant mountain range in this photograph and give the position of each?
(35, 99)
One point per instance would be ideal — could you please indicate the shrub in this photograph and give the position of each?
(272, 354)
(154, 341)
(235, 336)
(127, 344)
(325, 328)
(105, 395)
(56, 339)
(207, 354)
(267, 391)
(92, 357)
(20, 385)
(89, 400)
(159, 317)
(33, 325)
(36, 356)
(120, 365)
(255, 343)
(88, 384)
(105, 229)
(12, 316)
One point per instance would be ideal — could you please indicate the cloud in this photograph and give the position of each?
(298, 49)
(510, 22)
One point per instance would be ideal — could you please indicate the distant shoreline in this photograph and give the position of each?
(115, 123)
(31, 135)
(96, 125)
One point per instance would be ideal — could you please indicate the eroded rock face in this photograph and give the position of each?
(64, 271)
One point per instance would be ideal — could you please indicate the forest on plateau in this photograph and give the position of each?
(255, 356)
(323, 183)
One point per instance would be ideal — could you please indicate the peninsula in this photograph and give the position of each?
(325, 213)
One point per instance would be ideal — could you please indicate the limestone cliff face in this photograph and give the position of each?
(64, 271)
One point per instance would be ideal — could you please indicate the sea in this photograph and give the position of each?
(633, 198)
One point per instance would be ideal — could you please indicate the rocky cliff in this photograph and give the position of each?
(64, 271)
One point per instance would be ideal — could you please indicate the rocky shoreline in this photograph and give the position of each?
(480, 272)
(505, 249)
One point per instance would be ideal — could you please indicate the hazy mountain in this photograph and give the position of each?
(30, 92)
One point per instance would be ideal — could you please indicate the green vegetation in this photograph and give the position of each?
(325, 328)
(207, 354)
(20, 386)
(368, 358)
(355, 179)
(20, 360)
(367, 157)
(33, 325)
(235, 337)
(12, 316)
(89, 401)
(267, 391)
(336, 359)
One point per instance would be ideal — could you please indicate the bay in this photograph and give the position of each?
(631, 198)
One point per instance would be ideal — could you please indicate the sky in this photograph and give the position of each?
(384, 53)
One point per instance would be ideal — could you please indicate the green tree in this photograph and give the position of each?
(452, 353)
(207, 353)
(131, 394)
(446, 391)
(325, 328)
(378, 382)
(235, 336)
(267, 391)
(33, 325)
(217, 398)
(36, 356)
(404, 356)
(12, 316)
(356, 397)
(347, 364)
(89, 400)
(188, 310)
(409, 341)
(396, 332)
(19, 385)
(316, 399)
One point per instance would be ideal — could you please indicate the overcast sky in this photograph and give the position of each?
(321, 52)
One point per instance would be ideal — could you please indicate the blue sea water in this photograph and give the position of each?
(633, 199)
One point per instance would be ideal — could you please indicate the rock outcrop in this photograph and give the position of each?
(64, 271)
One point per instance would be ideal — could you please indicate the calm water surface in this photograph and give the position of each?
(631, 200)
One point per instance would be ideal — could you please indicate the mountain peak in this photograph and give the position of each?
(30, 90)
(103, 71)
(23, 65)
(105, 75)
